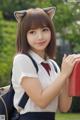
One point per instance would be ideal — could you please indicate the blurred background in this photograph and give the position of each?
(67, 27)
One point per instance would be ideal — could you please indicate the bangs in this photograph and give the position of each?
(34, 21)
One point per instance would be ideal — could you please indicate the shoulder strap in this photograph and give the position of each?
(25, 97)
(34, 62)
(54, 65)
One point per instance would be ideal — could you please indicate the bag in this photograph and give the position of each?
(6, 104)
(74, 83)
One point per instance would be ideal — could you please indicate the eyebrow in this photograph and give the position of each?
(33, 28)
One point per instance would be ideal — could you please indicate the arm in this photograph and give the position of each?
(42, 97)
(64, 99)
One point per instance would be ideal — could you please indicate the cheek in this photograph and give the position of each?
(48, 36)
(29, 38)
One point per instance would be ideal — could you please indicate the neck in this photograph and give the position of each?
(41, 54)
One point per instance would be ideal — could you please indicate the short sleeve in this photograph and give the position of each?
(23, 66)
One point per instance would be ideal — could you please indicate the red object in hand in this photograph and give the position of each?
(74, 83)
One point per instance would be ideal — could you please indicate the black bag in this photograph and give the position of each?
(6, 104)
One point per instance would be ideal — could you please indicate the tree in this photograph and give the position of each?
(9, 6)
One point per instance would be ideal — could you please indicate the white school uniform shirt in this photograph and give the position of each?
(23, 66)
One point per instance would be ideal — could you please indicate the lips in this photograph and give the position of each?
(41, 42)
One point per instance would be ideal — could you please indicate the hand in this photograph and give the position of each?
(68, 63)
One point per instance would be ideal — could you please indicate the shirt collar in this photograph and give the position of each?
(36, 57)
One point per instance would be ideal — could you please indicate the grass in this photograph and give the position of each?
(67, 116)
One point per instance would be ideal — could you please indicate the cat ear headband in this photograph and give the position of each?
(50, 11)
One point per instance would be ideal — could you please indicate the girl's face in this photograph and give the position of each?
(39, 38)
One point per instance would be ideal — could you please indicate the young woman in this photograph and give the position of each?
(45, 91)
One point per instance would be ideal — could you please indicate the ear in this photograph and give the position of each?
(50, 11)
(19, 15)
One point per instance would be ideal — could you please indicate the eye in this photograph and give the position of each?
(45, 29)
(31, 32)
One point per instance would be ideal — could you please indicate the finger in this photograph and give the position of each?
(76, 58)
(64, 56)
(72, 57)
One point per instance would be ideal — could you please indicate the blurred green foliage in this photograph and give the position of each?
(7, 45)
(11, 5)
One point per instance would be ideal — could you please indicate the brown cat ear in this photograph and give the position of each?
(19, 15)
(50, 11)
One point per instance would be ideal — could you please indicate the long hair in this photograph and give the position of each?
(35, 18)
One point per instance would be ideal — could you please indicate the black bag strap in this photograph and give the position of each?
(25, 97)
(34, 62)
(55, 67)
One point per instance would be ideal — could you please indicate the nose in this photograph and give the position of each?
(40, 35)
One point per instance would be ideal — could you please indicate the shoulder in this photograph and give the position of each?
(21, 58)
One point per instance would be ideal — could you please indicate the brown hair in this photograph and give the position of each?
(35, 18)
